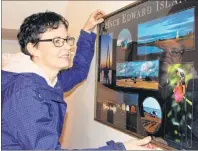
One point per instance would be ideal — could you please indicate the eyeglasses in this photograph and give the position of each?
(59, 42)
(175, 52)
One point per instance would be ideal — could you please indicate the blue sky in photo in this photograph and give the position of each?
(167, 27)
(151, 102)
(138, 69)
(124, 35)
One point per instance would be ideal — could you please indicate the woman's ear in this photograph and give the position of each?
(32, 49)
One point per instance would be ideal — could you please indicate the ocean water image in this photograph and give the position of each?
(158, 35)
(157, 111)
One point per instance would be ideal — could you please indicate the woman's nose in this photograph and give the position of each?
(67, 46)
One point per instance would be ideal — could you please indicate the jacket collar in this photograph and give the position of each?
(21, 63)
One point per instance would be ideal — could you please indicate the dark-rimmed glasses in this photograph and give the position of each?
(58, 41)
(175, 52)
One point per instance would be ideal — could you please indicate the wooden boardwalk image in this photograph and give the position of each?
(151, 124)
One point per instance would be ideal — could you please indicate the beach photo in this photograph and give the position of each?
(151, 115)
(174, 32)
(124, 41)
(139, 74)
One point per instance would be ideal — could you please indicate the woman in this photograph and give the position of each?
(33, 82)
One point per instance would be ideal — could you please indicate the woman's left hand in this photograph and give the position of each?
(95, 18)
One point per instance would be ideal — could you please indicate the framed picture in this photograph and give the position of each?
(147, 81)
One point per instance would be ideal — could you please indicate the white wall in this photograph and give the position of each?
(81, 131)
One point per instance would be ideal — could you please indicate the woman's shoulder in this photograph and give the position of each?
(19, 81)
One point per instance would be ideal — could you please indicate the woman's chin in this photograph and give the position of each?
(65, 65)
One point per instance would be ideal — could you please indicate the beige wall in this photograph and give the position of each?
(14, 12)
(10, 46)
(81, 131)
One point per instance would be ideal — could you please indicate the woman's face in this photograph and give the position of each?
(53, 57)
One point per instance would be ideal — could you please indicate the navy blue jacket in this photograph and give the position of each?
(33, 112)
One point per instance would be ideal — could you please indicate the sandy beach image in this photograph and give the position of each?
(138, 84)
(138, 74)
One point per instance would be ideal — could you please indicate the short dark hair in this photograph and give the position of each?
(36, 24)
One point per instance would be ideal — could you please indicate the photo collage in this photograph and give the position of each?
(147, 79)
